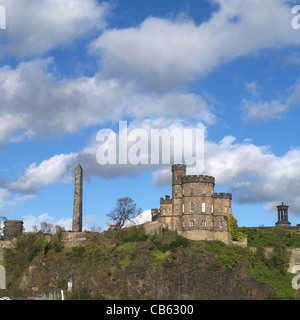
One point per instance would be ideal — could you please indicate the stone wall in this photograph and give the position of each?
(152, 228)
(74, 239)
(197, 235)
(294, 255)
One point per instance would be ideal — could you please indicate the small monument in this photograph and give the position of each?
(283, 220)
(77, 208)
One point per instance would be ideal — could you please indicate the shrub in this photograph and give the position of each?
(160, 256)
(26, 247)
(76, 253)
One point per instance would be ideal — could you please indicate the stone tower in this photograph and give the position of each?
(77, 208)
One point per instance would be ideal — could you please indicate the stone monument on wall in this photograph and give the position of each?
(77, 208)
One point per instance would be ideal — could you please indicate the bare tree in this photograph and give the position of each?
(125, 210)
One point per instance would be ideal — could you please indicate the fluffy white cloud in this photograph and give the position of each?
(165, 53)
(252, 173)
(35, 27)
(48, 172)
(35, 104)
(262, 110)
(31, 221)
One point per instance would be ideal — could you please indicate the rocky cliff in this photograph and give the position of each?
(136, 266)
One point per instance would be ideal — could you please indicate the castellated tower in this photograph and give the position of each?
(77, 208)
(178, 172)
(195, 210)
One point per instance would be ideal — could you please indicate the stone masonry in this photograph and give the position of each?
(194, 210)
(77, 208)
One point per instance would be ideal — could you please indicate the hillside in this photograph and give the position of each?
(127, 264)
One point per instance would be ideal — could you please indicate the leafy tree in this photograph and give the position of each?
(125, 210)
(233, 228)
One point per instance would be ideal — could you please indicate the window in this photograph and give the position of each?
(203, 223)
(203, 207)
(164, 212)
(220, 224)
(183, 208)
(192, 207)
(176, 207)
(170, 212)
(212, 208)
(191, 223)
(192, 192)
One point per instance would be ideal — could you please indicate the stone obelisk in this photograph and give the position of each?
(77, 208)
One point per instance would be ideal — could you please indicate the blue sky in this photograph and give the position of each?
(69, 68)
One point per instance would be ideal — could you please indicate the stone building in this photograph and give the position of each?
(194, 210)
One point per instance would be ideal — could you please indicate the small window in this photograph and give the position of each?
(170, 212)
(221, 224)
(183, 208)
(192, 207)
(164, 212)
(212, 208)
(203, 223)
(191, 223)
(203, 207)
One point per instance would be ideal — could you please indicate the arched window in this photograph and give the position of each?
(192, 207)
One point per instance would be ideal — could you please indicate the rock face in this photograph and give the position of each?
(133, 272)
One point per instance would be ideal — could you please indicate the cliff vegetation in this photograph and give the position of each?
(128, 264)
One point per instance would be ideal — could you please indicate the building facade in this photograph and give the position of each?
(194, 206)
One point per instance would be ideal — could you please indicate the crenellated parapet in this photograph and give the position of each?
(198, 179)
(222, 195)
(167, 200)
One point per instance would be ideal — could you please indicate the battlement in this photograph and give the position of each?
(222, 195)
(198, 178)
(178, 167)
(167, 200)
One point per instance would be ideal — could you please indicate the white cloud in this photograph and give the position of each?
(34, 104)
(35, 27)
(263, 111)
(164, 53)
(50, 171)
(30, 221)
(142, 218)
